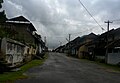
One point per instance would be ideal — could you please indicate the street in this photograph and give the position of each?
(59, 68)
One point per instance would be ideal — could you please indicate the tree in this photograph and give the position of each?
(5, 29)
(2, 13)
(7, 32)
(1, 1)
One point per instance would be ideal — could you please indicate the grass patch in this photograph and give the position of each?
(107, 67)
(100, 62)
(10, 77)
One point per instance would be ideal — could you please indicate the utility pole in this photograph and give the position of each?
(108, 25)
(69, 44)
(69, 37)
(45, 40)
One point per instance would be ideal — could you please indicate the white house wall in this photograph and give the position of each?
(26, 50)
(113, 58)
(3, 45)
(14, 53)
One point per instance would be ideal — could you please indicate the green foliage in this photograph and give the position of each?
(10, 77)
(2, 32)
(19, 37)
(2, 14)
(6, 32)
(1, 1)
(107, 67)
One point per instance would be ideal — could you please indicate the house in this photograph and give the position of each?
(26, 33)
(7, 30)
(92, 48)
(24, 28)
(104, 40)
(41, 48)
(38, 42)
(74, 47)
(83, 51)
(11, 52)
(86, 48)
(60, 49)
(19, 42)
(113, 53)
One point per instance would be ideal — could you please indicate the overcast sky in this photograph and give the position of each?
(55, 19)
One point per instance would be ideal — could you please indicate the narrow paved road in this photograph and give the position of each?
(59, 68)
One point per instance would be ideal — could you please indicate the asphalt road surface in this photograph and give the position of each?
(59, 68)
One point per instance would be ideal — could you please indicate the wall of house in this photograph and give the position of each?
(100, 57)
(83, 51)
(73, 51)
(12, 51)
(24, 33)
(29, 53)
(113, 58)
(3, 47)
(0, 50)
(113, 55)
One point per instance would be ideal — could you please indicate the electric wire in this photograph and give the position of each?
(91, 15)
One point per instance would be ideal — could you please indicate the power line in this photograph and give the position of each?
(70, 24)
(76, 33)
(89, 29)
(116, 20)
(91, 15)
(48, 22)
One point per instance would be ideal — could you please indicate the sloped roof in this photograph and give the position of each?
(105, 34)
(113, 44)
(92, 35)
(23, 20)
(75, 40)
(19, 18)
(32, 27)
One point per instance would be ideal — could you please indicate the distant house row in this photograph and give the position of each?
(19, 41)
(105, 47)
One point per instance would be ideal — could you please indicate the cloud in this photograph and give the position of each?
(55, 19)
